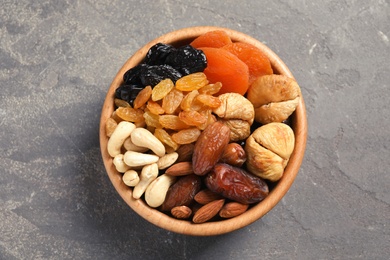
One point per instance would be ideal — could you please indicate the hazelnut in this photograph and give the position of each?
(274, 97)
(268, 150)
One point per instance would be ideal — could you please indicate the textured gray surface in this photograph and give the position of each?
(58, 59)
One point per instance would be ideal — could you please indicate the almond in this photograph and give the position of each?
(206, 196)
(208, 211)
(181, 212)
(232, 209)
(180, 169)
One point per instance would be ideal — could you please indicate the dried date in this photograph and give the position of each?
(236, 184)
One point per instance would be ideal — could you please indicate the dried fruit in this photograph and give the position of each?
(121, 103)
(216, 39)
(274, 97)
(152, 120)
(225, 67)
(130, 114)
(268, 149)
(235, 106)
(142, 97)
(111, 124)
(208, 100)
(211, 89)
(234, 155)
(257, 62)
(158, 53)
(185, 152)
(162, 89)
(172, 122)
(232, 209)
(187, 60)
(172, 101)
(155, 107)
(236, 184)
(186, 136)
(165, 138)
(193, 81)
(182, 192)
(192, 118)
(208, 211)
(186, 103)
(128, 92)
(209, 147)
(152, 75)
(181, 212)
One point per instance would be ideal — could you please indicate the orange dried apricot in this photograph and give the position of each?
(257, 62)
(227, 68)
(215, 39)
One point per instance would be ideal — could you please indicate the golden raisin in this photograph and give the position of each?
(130, 114)
(193, 118)
(111, 124)
(186, 136)
(188, 99)
(142, 97)
(192, 82)
(172, 101)
(172, 122)
(209, 100)
(162, 89)
(165, 138)
(152, 120)
(121, 103)
(211, 89)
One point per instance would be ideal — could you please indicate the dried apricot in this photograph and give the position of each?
(257, 62)
(162, 89)
(227, 68)
(215, 39)
(172, 101)
(172, 122)
(186, 136)
(192, 81)
(192, 118)
(142, 97)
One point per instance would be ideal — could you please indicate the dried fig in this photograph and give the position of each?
(268, 150)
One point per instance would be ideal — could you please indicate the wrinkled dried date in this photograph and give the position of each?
(236, 184)
(182, 192)
(209, 147)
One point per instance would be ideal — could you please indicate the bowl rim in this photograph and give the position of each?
(186, 227)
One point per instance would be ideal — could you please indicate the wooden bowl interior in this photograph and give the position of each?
(299, 125)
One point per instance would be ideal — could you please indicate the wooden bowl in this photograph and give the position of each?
(299, 125)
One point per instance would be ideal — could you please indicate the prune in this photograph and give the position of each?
(158, 53)
(132, 76)
(236, 184)
(152, 75)
(128, 92)
(187, 60)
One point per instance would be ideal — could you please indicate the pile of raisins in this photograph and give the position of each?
(161, 62)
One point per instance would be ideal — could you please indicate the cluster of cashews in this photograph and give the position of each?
(137, 141)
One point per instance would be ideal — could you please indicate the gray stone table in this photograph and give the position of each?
(57, 60)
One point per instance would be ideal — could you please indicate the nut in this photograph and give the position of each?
(134, 159)
(130, 178)
(180, 169)
(120, 165)
(206, 196)
(268, 149)
(234, 155)
(129, 146)
(148, 174)
(232, 209)
(185, 152)
(274, 97)
(209, 147)
(144, 138)
(181, 212)
(208, 211)
(157, 190)
(121, 132)
(167, 160)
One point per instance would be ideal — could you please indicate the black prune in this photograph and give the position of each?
(128, 92)
(152, 75)
(158, 53)
(132, 76)
(187, 60)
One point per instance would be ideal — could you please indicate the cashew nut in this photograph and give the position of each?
(121, 132)
(148, 174)
(144, 138)
(157, 190)
(119, 163)
(167, 160)
(130, 178)
(134, 159)
(129, 146)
